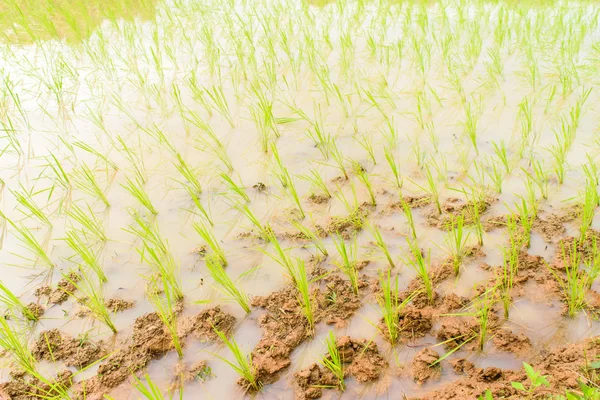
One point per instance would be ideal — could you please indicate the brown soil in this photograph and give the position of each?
(337, 301)
(455, 331)
(319, 199)
(26, 388)
(361, 359)
(411, 201)
(150, 340)
(54, 345)
(565, 367)
(118, 305)
(549, 227)
(37, 310)
(506, 340)
(422, 369)
(350, 224)
(63, 289)
(201, 326)
(183, 373)
(44, 290)
(284, 329)
(491, 223)
(585, 248)
(454, 207)
(285, 326)
(413, 323)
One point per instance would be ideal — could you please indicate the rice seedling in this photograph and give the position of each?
(304, 296)
(509, 270)
(263, 230)
(226, 285)
(15, 344)
(409, 218)
(85, 180)
(590, 202)
(13, 304)
(333, 361)
(149, 390)
(286, 181)
(347, 259)
(155, 251)
(135, 158)
(502, 154)
(431, 189)
(539, 177)
(374, 229)
(281, 255)
(211, 144)
(363, 176)
(88, 220)
(390, 306)
(338, 158)
(420, 264)
(85, 253)
(232, 187)
(60, 177)
(366, 142)
(208, 236)
(92, 297)
(164, 301)
(483, 310)
(574, 283)
(203, 211)
(394, 167)
(471, 122)
(29, 242)
(89, 149)
(457, 240)
(190, 179)
(313, 237)
(242, 363)
(29, 208)
(219, 102)
(316, 179)
(526, 218)
(137, 190)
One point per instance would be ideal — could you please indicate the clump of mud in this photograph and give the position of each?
(54, 345)
(150, 339)
(506, 340)
(361, 359)
(565, 368)
(423, 367)
(453, 208)
(199, 371)
(23, 387)
(411, 202)
(118, 305)
(350, 224)
(62, 291)
(36, 310)
(285, 326)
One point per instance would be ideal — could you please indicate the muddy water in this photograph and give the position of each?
(123, 93)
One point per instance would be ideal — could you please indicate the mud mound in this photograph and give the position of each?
(361, 359)
(54, 345)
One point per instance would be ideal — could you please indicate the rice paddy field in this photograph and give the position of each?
(292, 199)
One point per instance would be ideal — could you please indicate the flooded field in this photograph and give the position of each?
(299, 199)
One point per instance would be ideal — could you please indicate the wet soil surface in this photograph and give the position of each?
(150, 339)
(361, 360)
(285, 326)
(565, 367)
